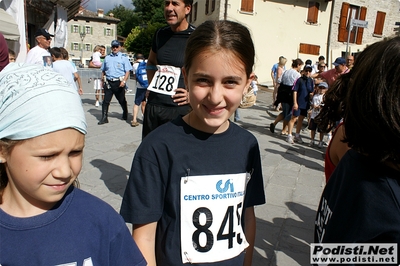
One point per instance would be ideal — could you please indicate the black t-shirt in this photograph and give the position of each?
(170, 49)
(360, 203)
(175, 150)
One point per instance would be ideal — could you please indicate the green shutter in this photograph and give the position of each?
(80, 29)
(91, 30)
(72, 46)
(112, 32)
(72, 28)
(105, 31)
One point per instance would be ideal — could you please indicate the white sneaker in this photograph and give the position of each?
(97, 104)
(298, 139)
(289, 139)
(320, 145)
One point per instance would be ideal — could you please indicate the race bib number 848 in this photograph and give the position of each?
(211, 210)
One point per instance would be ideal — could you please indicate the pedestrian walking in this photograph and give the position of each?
(115, 72)
(139, 68)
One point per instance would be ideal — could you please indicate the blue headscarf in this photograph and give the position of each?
(35, 101)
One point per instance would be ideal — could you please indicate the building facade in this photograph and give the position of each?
(301, 28)
(88, 29)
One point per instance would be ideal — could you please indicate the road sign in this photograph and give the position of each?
(359, 23)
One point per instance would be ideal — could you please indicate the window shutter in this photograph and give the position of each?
(360, 31)
(247, 6)
(91, 30)
(105, 31)
(306, 48)
(342, 37)
(379, 23)
(72, 28)
(112, 32)
(72, 46)
(80, 29)
(313, 9)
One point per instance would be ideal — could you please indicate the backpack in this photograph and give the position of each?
(141, 75)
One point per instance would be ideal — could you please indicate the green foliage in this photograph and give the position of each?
(140, 24)
(140, 38)
(150, 11)
(128, 17)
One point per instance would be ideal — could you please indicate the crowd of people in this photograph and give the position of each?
(298, 93)
(208, 69)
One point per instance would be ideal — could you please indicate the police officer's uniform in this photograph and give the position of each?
(114, 68)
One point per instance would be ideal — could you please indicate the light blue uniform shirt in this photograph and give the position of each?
(116, 65)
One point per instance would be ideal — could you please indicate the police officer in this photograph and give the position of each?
(115, 73)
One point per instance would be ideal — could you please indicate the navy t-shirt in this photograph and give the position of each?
(170, 49)
(360, 203)
(80, 230)
(303, 86)
(175, 150)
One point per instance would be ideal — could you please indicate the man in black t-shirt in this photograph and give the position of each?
(167, 96)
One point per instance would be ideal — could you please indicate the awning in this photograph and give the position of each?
(8, 26)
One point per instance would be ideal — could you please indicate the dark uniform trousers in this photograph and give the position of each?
(112, 88)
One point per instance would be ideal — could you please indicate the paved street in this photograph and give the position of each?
(293, 175)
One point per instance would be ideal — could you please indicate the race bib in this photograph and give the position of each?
(211, 209)
(165, 80)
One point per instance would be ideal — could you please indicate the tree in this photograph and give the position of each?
(129, 19)
(150, 11)
(140, 38)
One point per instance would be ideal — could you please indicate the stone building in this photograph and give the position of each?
(88, 29)
(302, 28)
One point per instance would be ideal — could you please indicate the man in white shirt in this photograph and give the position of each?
(38, 54)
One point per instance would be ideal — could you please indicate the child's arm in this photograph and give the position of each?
(78, 79)
(145, 238)
(250, 233)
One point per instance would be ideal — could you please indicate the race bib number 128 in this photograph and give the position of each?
(165, 80)
(211, 210)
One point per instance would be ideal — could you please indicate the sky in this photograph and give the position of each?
(106, 5)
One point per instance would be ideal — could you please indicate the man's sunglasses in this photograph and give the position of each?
(114, 47)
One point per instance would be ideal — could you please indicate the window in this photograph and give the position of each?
(88, 30)
(247, 6)
(107, 32)
(379, 22)
(88, 47)
(75, 46)
(309, 49)
(195, 11)
(207, 6)
(75, 29)
(347, 13)
(313, 10)
(212, 5)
